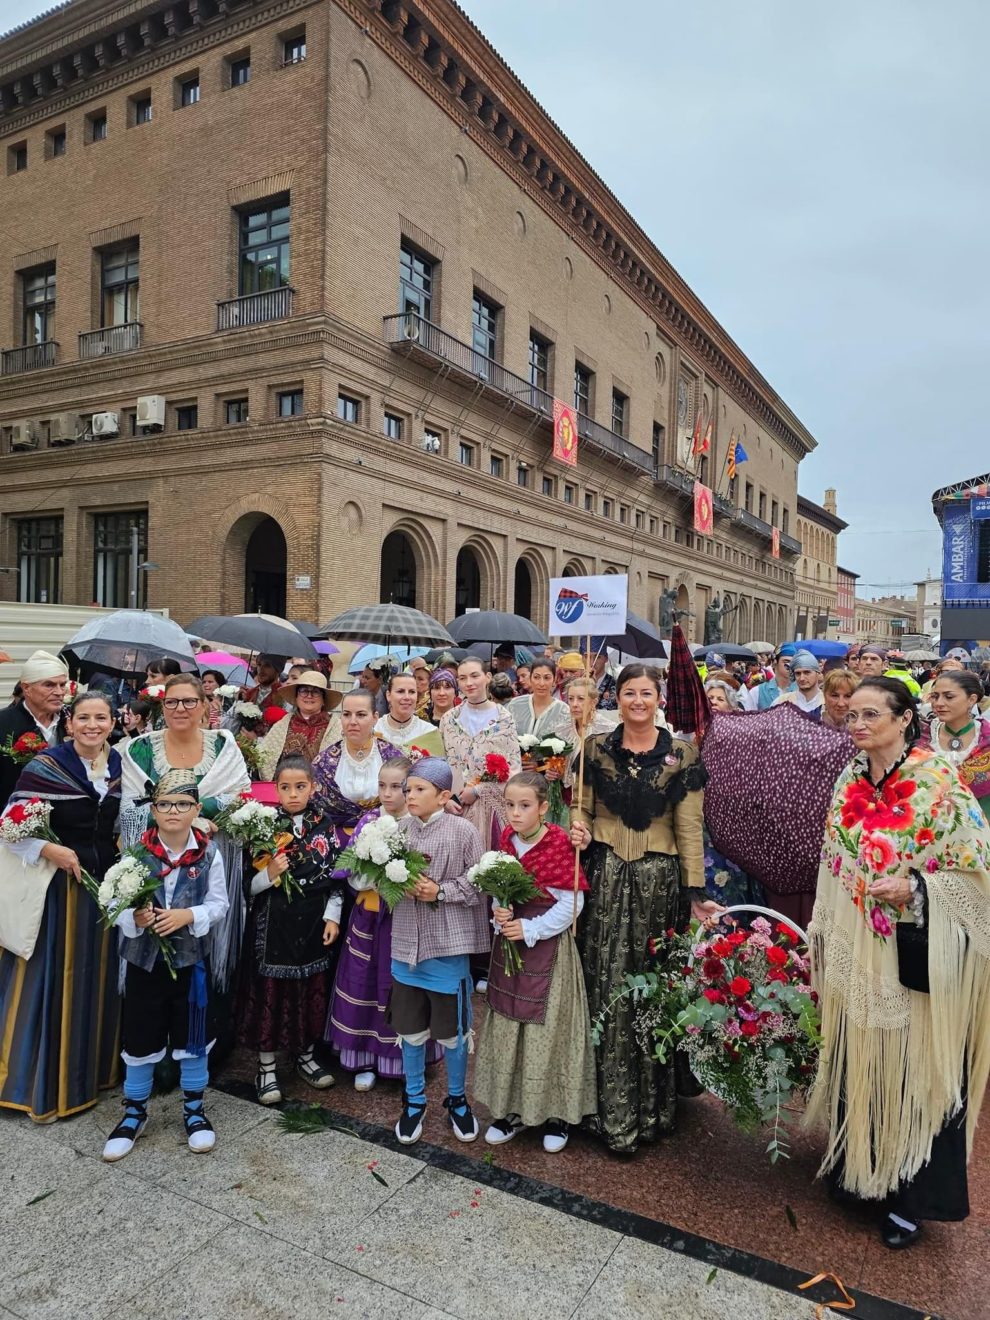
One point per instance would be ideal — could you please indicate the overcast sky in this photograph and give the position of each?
(819, 174)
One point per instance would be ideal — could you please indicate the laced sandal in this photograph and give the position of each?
(409, 1128)
(462, 1119)
(314, 1073)
(504, 1129)
(266, 1084)
(122, 1139)
(199, 1129)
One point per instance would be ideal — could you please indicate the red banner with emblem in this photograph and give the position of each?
(565, 433)
(775, 543)
(704, 518)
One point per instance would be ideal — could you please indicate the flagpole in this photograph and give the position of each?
(580, 791)
(725, 460)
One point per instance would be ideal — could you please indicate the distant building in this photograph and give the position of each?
(845, 609)
(885, 621)
(928, 619)
(818, 528)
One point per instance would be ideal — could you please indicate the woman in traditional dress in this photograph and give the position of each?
(60, 1009)
(308, 730)
(471, 731)
(588, 721)
(443, 694)
(402, 727)
(960, 732)
(346, 772)
(541, 713)
(900, 955)
(640, 814)
(217, 766)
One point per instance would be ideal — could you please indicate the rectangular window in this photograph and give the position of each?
(120, 284)
(39, 560)
(294, 49)
(187, 417)
(589, 502)
(235, 412)
(539, 361)
(189, 91)
(703, 469)
(582, 389)
(734, 490)
(348, 408)
(774, 512)
(141, 109)
(17, 158)
(497, 466)
(569, 493)
(240, 71)
(415, 281)
(653, 526)
(749, 497)
(623, 513)
(785, 522)
(606, 508)
(620, 407)
(263, 248)
(548, 485)
(762, 512)
(393, 426)
(484, 326)
(522, 475)
(658, 434)
(38, 287)
(112, 549)
(56, 141)
(96, 126)
(465, 454)
(639, 520)
(289, 403)
(434, 440)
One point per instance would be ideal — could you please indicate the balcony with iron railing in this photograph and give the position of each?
(789, 544)
(424, 341)
(255, 308)
(29, 358)
(110, 339)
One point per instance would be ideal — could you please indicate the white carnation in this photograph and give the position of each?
(488, 858)
(380, 852)
(387, 825)
(362, 846)
(397, 871)
(128, 887)
(527, 740)
(247, 710)
(227, 691)
(555, 745)
(105, 894)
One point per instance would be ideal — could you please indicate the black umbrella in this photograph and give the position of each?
(388, 625)
(727, 650)
(641, 639)
(126, 642)
(265, 634)
(495, 627)
(309, 630)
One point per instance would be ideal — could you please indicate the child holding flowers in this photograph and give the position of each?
(536, 1063)
(296, 904)
(167, 998)
(434, 933)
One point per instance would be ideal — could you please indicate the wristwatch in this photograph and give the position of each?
(441, 896)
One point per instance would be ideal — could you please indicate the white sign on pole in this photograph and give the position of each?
(582, 606)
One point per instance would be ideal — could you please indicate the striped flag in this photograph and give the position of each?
(737, 455)
(696, 437)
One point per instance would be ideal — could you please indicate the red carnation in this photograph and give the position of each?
(785, 932)
(737, 937)
(712, 969)
(721, 947)
(777, 957)
(651, 947)
(496, 769)
(714, 996)
(778, 975)
(17, 813)
(740, 987)
(670, 932)
(749, 1028)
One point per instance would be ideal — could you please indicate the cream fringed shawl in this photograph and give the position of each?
(895, 1063)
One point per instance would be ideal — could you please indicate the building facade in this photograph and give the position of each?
(928, 618)
(845, 603)
(885, 621)
(818, 529)
(325, 268)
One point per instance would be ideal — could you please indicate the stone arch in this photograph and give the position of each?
(682, 611)
(426, 558)
(489, 571)
(758, 622)
(255, 536)
(730, 619)
(575, 567)
(397, 571)
(539, 573)
(745, 627)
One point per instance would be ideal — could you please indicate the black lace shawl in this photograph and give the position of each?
(638, 800)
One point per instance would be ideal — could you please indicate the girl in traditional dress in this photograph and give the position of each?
(402, 727)
(960, 732)
(443, 694)
(60, 1009)
(640, 814)
(471, 731)
(900, 956)
(535, 1064)
(284, 996)
(309, 729)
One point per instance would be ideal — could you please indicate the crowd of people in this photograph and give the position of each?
(296, 958)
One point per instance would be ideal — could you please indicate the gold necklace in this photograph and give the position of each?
(361, 752)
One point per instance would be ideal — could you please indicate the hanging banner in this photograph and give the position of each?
(581, 606)
(704, 517)
(565, 433)
(979, 508)
(775, 543)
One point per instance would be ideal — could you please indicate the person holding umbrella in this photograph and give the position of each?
(266, 671)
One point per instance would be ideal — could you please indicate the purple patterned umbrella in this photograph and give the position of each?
(770, 780)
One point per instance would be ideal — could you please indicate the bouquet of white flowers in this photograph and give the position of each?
(228, 692)
(548, 753)
(504, 878)
(247, 710)
(380, 854)
(129, 884)
(253, 825)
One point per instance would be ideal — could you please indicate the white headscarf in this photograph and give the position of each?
(42, 665)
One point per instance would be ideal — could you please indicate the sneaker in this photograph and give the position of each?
(121, 1140)
(199, 1129)
(365, 1081)
(409, 1128)
(314, 1073)
(504, 1129)
(555, 1135)
(462, 1120)
(266, 1084)
(481, 987)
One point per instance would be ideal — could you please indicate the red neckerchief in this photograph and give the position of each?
(550, 862)
(151, 841)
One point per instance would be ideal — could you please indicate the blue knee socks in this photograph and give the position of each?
(194, 1074)
(138, 1081)
(414, 1067)
(456, 1059)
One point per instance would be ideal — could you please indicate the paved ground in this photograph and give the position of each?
(271, 1225)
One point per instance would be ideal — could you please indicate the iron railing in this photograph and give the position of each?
(111, 339)
(29, 357)
(788, 543)
(255, 308)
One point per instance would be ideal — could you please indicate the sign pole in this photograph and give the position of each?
(580, 794)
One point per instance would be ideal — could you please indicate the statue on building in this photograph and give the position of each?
(715, 615)
(668, 600)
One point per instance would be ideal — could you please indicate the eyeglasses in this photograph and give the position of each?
(869, 717)
(187, 703)
(168, 807)
(309, 692)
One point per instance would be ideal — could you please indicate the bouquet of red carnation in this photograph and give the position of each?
(740, 1005)
(23, 749)
(496, 771)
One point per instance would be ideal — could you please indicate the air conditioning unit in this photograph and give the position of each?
(106, 423)
(64, 429)
(23, 435)
(151, 410)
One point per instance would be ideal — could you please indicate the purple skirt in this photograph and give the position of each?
(356, 1025)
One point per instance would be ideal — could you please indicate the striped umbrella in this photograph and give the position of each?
(390, 625)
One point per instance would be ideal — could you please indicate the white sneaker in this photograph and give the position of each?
(365, 1081)
(503, 1130)
(555, 1135)
(481, 986)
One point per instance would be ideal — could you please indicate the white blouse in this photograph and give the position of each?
(358, 780)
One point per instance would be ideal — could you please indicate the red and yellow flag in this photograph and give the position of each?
(704, 517)
(565, 433)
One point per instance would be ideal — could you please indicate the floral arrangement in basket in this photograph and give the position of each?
(549, 753)
(740, 1005)
(129, 884)
(504, 878)
(497, 770)
(253, 825)
(23, 749)
(380, 854)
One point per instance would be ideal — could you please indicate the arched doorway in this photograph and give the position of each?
(467, 593)
(523, 590)
(397, 584)
(265, 559)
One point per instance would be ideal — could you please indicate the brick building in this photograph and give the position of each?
(885, 620)
(290, 286)
(845, 603)
(818, 531)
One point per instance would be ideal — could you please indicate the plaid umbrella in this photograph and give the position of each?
(687, 709)
(391, 625)
(770, 781)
